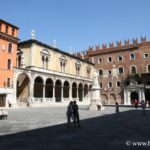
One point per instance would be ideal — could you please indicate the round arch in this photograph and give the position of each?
(80, 91)
(74, 90)
(49, 88)
(133, 96)
(66, 89)
(85, 90)
(38, 87)
(58, 86)
(22, 87)
(112, 98)
(104, 99)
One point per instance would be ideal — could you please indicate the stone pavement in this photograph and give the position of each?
(45, 129)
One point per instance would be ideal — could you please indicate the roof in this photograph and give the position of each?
(31, 41)
(9, 24)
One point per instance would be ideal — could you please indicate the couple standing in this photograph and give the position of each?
(72, 112)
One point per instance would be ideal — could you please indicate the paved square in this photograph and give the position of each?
(45, 129)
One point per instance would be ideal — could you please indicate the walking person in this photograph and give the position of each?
(69, 113)
(136, 103)
(76, 114)
(117, 108)
(143, 107)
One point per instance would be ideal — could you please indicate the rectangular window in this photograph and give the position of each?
(110, 84)
(101, 85)
(13, 31)
(8, 82)
(146, 55)
(6, 30)
(9, 64)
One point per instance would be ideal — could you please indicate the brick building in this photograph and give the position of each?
(8, 49)
(123, 70)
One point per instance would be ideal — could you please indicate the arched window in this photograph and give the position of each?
(100, 72)
(63, 62)
(45, 56)
(120, 70)
(132, 56)
(100, 60)
(10, 48)
(120, 58)
(133, 70)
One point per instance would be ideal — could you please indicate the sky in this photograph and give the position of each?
(78, 24)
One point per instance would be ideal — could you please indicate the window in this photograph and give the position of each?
(110, 84)
(88, 71)
(109, 72)
(13, 31)
(120, 58)
(132, 56)
(78, 66)
(109, 59)
(120, 70)
(146, 55)
(10, 48)
(6, 30)
(101, 85)
(63, 62)
(100, 72)
(148, 69)
(45, 56)
(19, 61)
(133, 70)
(8, 82)
(9, 64)
(100, 60)
(118, 84)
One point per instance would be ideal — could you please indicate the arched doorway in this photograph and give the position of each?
(58, 87)
(134, 95)
(104, 99)
(85, 90)
(90, 92)
(112, 98)
(74, 90)
(80, 91)
(66, 89)
(38, 87)
(22, 91)
(49, 88)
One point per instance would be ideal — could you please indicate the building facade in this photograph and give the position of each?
(46, 75)
(121, 70)
(8, 50)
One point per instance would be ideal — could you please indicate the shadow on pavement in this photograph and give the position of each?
(112, 132)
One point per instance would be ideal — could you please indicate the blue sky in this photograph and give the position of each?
(78, 23)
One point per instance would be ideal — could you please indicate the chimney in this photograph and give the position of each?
(135, 41)
(127, 42)
(104, 46)
(111, 45)
(143, 39)
(118, 43)
(96, 47)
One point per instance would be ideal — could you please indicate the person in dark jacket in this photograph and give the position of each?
(76, 114)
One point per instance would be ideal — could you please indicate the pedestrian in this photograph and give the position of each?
(76, 114)
(117, 108)
(69, 113)
(136, 103)
(143, 107)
